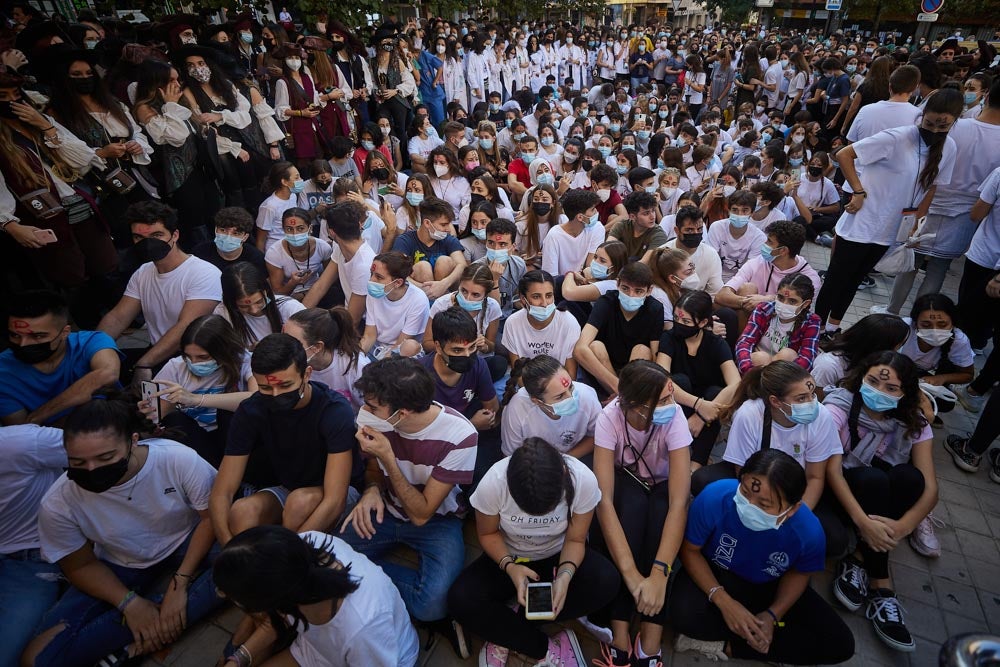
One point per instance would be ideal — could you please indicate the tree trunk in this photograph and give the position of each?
(877, 18)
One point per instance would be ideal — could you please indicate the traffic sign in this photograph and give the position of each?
(931, 6)
(765, 3)
(927, 18)
(833, 5)
(677, 5)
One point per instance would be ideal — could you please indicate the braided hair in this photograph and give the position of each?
(538, 478)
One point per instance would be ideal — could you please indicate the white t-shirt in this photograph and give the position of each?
(528, 535)
(881, 115)
(523, 419)
(259, 325)
(985, 247)
(734, 253)
(828, 369)
(694, 97)
(423, 147)
(806, 443)
(892, 162)
(819, 193)
(970, 137)
(562, 252)
(162, 295)
(277, 256)
(455, 190)
(371, 627)
(371, 231)
(773, 215)
(493, 312)
(33, 458)
(707, 265)
(556, 340)
(960, 353)
(406, 316)
(773, 76)
(269, 217)
(776, 338)
(166, 496)
(341, 379)
(354, 273)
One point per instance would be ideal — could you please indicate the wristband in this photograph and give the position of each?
(777, 623)
(666, 568)
(505, 561)
(126, 601)
(242, 656)
(713, 590)
(567, 571)
(860, 192)
(568, 562)
(50, 127)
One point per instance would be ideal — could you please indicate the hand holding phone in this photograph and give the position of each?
(45, 236)
(148, 389)
(539, 605)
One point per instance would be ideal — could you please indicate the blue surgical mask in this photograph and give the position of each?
(246, 37)
(643, 134)
(501, 256)
(970, 98)
(298, 186)
(479, 234)
(202, 368)
(598, 271)
(542, 313)
(566, 407)
(227, 243)
(527, 157)
(804, 413)
(766, 253)
(621, 169)
(414, 198)
(486, 144)
(465, 304)
(630, 303)
(663, 414)
(368, 145)
(376, 290)
(297, 240)
(739, 221)
(545, 179)
(765, 137)
(795, 161)
(663, 114)
(594, 219)
(876, 400)
(753, 517)
(604, 150)
(614, 127)
(547, 141)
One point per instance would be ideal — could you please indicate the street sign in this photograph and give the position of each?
(833, 5)
(677, 5)
(927, 18)
(931, 6)
(765, 3)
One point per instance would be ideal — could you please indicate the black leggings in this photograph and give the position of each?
(641, 515)
(479, 600)
(813, 633)
(820, 223)
(979, 315)
(884, 491)
(990, 373)
(849, 264)
(701, 446)
(988, 427)
(210, 445)
(705, 475)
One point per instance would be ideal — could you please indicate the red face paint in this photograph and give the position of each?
(272, 379)
(21, 325)
(564, 381)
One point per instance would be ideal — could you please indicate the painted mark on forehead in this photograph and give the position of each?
(564, 381)
(273, 379)
(809, 385)
(755, 485)
(22, 326)
(884, 373)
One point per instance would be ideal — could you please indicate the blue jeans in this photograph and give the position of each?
(441, 549)
(93, 628)
(28, 587)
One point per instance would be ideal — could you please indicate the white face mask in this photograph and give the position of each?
(785, 311)
(604, 195)
(441, 170)
(691, 282)
(293, 64)
(935, 337)
(441, 48)
(727, 190)
(374, 422)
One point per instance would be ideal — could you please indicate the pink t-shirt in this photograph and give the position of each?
(612, 432)
(766, 276)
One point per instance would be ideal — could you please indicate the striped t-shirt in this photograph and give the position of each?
(445, 450)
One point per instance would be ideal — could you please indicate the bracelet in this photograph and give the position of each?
(131, 595)
(567, 570)
(777, 623)
(505, 561)
(201, 402)
(3, 225)
(183, 576)
(50, 127)
(508, 564)
(695, 406)
(568, 562)
(667, 569)
(242, 656)
(713, 590)
(860, 192)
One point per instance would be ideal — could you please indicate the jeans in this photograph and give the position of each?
(440, 548)
(28, 587)
(637, 81)
(936, 268)
(94, 629)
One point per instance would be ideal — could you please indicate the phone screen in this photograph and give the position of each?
(539, 599)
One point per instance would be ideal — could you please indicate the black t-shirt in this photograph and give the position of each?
(620, 335)
(704, 368)
(297, 442)
(207, 251)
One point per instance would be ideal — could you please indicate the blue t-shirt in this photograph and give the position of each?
(24, 387)
(756, 556)
(410, 244)
(473, 387)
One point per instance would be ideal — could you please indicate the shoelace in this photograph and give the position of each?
(856, 577)
(606, 659)
(887, 610)
(933, 521)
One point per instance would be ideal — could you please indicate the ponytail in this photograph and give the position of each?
(765, 381)
(531, 478)
(512, 382)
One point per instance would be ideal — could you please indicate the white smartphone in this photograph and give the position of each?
(149, 388)
(45, 236)
(539, 602)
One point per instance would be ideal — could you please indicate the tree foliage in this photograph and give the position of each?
(732, 10)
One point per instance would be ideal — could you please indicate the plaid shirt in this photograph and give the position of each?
(802, 339)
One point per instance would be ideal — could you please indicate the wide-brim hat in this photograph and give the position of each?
(170, 28)
(212, 30)
(245, 20)
(179, 56)
(37, 36)
(314, 43)
(51, 64)
(288, 50)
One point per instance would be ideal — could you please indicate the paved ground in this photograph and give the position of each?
(960, 592)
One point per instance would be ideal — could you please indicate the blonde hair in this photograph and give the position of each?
(27, 173)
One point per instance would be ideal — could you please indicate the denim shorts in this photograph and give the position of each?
(279, 492)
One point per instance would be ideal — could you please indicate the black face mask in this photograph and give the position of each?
(35, 353)
(541, 208)
(691, 240)
(458, 364)
(932, 138)
(338, 46)
(381, 174)
(100, 479)
(6, 111)
(387, 48)
(587, 165)
(269, 43)
(283, 402)
(816, 172)
(152, 250)
(684, 331)
(84, 85)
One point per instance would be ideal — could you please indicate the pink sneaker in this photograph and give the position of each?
(493, 655)
(564, 651)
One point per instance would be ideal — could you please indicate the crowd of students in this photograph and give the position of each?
(396, 287)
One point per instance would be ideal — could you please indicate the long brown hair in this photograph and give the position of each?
(216, 336)
(533, 244)
(334, 328)
(664, 262)
(68, 107)
(30, 175)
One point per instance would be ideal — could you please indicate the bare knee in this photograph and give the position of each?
(786, 354)
(301, 503)
(38, 644)
(443, 267)
(760, 358)
(422, 272)
(641, 352)
(599, 350)
(253, 511)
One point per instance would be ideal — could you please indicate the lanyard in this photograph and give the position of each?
(639, 455)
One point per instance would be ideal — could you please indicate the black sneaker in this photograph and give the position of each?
(886, 615)
(851, 585)
(962, 457)
(994, 456)
(450, 630)
(828, 336)
(867, 283)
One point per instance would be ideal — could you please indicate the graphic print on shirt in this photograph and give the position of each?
(777, 563)
(723, 556)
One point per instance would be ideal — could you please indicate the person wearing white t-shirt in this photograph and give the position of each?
(538, 504)
(171, 289)
(569, 246)
(249, 304)
(903, 167)
(286, 185)
(346, 609)
(117, 489)
(772, 78)
(350, 259)
(397, 312)
(538, 327)
(735, 239)
(551, 406)
(295, 263)
(333, 349)
(689, 229)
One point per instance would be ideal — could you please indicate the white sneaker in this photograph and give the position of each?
(968, 401)
(923, 540)
(714, 651)
(878, 310)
